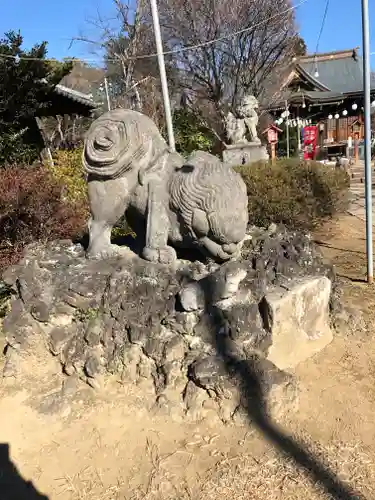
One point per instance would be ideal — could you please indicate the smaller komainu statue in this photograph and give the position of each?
(168, 200)
(245, 123)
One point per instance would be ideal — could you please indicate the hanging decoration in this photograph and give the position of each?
(316, 73)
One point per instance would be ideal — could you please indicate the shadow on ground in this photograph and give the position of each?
(346, 250)
(12, 485)
(351, 279)
(254, 400)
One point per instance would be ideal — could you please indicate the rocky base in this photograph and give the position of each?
(205, 337)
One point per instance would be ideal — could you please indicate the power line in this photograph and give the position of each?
(319, 37)
(322, 26)
(169, 52)
(225, 37)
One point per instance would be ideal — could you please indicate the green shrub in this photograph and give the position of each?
(69, 173)
(300, 195)
(122, 229)
(190, 133)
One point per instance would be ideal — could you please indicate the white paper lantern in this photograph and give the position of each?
(344, 113)
(337, 116)
(330, 117)
(354, 106)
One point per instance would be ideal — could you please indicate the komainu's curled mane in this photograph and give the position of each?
(129, 167)
(211, 200)
(120, 141)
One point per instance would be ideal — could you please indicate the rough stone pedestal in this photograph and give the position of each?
(298, 318)
(201, 339)
(241, 154)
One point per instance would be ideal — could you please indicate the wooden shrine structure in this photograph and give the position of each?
(325, 90)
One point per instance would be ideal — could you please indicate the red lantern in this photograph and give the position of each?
(272, 137)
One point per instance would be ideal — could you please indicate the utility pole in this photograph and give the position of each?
(367, 106)
(163, 75)
(287, 128)
(107, 93)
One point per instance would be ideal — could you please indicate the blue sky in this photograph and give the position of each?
(59, 21)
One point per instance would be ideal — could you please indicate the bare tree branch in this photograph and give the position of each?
(217, 75)
(121, 39)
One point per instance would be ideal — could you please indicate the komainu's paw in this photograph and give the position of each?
(165, 255)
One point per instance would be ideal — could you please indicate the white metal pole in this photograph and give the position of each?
(107, 93)
(163, 76)
(367, 107)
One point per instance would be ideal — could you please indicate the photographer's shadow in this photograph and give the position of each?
(12, 485)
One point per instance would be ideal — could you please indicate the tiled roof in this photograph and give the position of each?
(75, 95)
(339, 72)
(321, 96)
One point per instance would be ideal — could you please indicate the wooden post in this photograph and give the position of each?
(273, 152)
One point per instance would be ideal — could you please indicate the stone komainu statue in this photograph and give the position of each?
(246, 122)
(130, 170)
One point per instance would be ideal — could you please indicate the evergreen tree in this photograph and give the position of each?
(26, 84)
(190, 133)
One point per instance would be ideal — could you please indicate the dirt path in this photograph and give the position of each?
(114, 449)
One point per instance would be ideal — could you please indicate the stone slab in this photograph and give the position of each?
(238, 154)
(299, 321)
